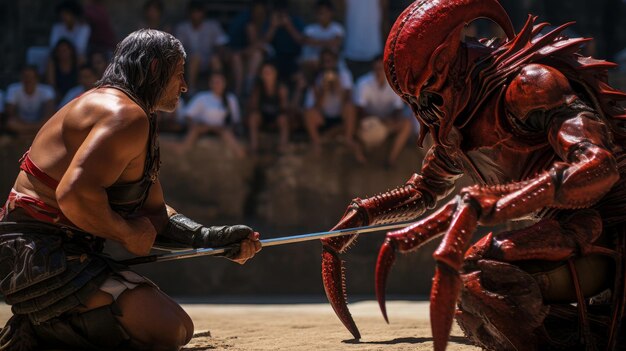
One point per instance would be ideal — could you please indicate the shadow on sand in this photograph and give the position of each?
(409, 340)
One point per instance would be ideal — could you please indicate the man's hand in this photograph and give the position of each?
(242, 240)
(248, 248)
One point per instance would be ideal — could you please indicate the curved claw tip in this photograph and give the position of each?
(333, 278)
(443, 296)
(386, 258)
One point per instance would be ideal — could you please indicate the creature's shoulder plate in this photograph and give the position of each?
(537, 88)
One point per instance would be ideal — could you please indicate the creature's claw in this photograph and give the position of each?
(334, 285)
(386, 258)
(447, 283)
(443, 295)
(406, 240)
(332, 268)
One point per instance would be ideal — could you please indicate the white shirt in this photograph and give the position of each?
(332, 104)
(316, 31)
(79, 36)
(375, 99)
(207, 108)
(29, 107)
(202, 40)
(363, 30)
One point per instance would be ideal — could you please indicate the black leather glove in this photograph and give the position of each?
(185, 231)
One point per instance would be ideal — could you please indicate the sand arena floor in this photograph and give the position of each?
(308, 326)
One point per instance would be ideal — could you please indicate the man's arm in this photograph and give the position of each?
(99, 162)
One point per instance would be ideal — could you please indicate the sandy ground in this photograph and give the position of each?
(309, 326)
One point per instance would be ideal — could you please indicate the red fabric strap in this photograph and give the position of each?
(31, 168)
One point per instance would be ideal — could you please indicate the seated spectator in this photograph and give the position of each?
(62, 69)
(268, 106)
(102, 34)
(284, 35)
(2, 116)
(29, 104)
(247, 44)
(72, 28)
(329, 104)
(98, 60)
(153, 16)
(214, 111)
(86, 80)
(323, 34)
(374, 99)
(202, 39)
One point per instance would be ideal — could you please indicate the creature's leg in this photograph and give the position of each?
(495, 291)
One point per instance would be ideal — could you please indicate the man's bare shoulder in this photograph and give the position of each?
(108, 106)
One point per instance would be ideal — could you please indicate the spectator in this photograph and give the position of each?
(99, 61)
(374, 99)
(71, 27)
(247, 44)
(2, 116)
(365, 24)
(268, 106)
(86, 80)
(324, 34)
(329, 104)
(28, 103)
(153, 16)
(284, 35)
(201, 39)
(102, 34)
(214, 111)
(62, 69)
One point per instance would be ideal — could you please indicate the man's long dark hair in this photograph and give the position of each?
(142, 65)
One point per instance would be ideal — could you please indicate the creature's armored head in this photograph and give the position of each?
(422, 57)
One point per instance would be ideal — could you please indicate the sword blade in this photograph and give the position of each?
(178, 255)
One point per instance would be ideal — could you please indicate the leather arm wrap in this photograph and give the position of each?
(181, 230)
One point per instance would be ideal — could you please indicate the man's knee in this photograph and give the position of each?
(153, 319)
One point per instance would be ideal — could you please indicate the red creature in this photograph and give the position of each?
(540, 132)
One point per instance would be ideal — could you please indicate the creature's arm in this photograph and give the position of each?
(587, 169)
(422, 191)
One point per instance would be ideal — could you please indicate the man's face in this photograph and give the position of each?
(173, 89)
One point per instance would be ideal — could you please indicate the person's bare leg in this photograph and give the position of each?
(349, 115)
(232, 142)
(151, 318)
(154, 320)
(192, 136)
(254, 62)
(254, 122)
(283, 129)
(238, 74)
(402, 128)
(314, 120)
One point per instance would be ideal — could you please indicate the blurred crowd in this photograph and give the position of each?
(264, 75)
(261, 81)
